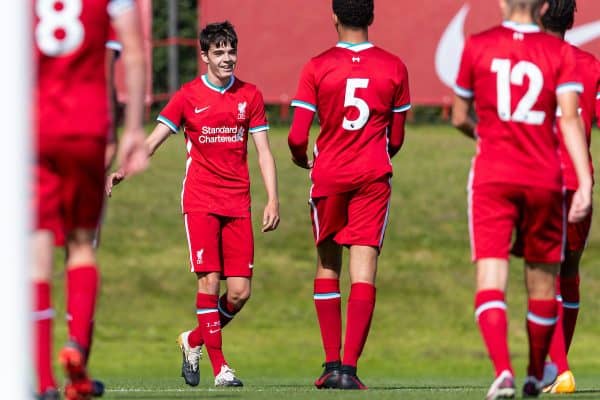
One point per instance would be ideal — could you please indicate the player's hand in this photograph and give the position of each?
(109, 155)
(132, 155)
(581, 205)
(112, 180)
(306, 163)
(271, 216)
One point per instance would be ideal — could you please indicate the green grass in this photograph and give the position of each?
(423, 342)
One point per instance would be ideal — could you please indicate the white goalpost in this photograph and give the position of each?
(15, 213)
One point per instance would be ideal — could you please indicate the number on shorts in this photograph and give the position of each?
(59, 30)
(505, 76)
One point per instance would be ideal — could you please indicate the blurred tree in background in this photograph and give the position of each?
(187, 29)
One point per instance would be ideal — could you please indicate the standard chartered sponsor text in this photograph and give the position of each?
(236, 133)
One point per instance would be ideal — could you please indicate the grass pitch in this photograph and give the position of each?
(423, 343)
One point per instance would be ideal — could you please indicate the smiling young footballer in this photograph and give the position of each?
(516, 76)
(218, 112)
(361, 95)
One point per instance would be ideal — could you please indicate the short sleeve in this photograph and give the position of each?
(172, 114)
(113, 43)
(306, 95)
(464, 86)
(118, 7)
(258, 117)
(568, 78)
(402, 93)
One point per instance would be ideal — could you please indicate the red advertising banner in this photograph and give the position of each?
(277, 37)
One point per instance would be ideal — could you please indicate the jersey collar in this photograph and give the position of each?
(220, 89)
(356, 47)
(523, 28)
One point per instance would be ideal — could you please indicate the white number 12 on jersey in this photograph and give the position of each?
(516, 76)
(350, 100)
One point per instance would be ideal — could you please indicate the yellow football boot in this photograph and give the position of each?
(564, 383)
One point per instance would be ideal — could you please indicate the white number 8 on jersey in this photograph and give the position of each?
(59, 30)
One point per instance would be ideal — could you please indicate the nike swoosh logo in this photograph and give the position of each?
(583, 34)
(452, 43)
(199, 110)
(211, 331)
(450, 47)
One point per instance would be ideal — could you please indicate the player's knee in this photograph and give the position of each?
(238, 297)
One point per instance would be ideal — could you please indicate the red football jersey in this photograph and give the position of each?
(70, 38)
(354, 89)
(588, 68)
(514, 73)
(216, 122)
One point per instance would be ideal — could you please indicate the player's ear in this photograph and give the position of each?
(204, 57)
(335, 19)
(544, 8)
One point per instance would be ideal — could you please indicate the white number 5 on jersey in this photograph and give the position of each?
(505, 76)
(352, 101)
(59, 30)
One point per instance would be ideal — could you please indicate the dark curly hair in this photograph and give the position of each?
(560, 15)
(354, 13)
(219, 34)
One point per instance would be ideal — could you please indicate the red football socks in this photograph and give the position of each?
(490, 313)
(43, 315)
(541, 319)
(210, 327)
(82, 287)
(557, 351)
(361, 304)
(226, 310)
(328, 305)
(569, 291)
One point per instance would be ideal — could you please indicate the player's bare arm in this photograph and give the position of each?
(574, 138)
(268, 171)
(461, 118)
(158, 136)
(132, 156)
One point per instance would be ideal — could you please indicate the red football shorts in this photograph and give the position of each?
(577, 233)
(69, 184)
(358, 217)
(537, 214)
(220, 244)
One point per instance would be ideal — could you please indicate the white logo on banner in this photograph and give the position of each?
(452, 42)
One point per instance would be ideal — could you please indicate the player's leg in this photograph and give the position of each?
(203, 235)
(542, 226)
(82, 191)
(542, 313)
(43, 314)
(359, 313)
(568, 307)
(237, 249)
(327, 299)
(493, 211)
(238, 263)
(368, 211)
(328, 216)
